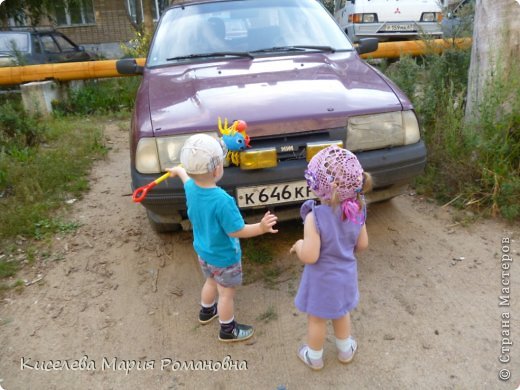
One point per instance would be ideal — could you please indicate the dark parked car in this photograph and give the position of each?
(289, 71)
(29, 46)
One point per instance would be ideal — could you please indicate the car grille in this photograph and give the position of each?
(293, 146)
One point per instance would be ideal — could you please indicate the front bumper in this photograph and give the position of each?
(377, 30)
(390, 169)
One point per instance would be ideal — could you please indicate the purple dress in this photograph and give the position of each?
(329, 288)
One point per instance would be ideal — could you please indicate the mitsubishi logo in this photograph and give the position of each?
(397, 11)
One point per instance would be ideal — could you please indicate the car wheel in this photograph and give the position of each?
(161, 227)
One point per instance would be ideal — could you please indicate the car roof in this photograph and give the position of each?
(37, 29)
(14, 32)
(195, 2)
(189, 2)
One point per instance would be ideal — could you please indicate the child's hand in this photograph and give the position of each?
(174, 171)
(267, 223)
(297, 244)
(178, 171)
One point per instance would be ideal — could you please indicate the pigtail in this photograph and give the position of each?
(367, 186)
(354, 209)
(368, 183)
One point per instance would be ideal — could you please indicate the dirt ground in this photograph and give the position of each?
(117, 303)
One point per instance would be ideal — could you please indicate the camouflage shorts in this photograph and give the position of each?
(227, 277)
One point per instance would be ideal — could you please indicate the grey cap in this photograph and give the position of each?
(201, 154)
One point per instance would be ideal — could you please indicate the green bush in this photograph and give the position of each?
(404, 73)
(36, 181)
(496, 138)
(471, 164)
(138, 46)
(100, 97)
(18, 129)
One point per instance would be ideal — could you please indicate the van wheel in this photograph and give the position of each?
(159, 227)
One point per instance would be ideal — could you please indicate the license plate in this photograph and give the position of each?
(273, 194)
(399, 27)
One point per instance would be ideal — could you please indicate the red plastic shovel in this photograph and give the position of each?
(140, 193)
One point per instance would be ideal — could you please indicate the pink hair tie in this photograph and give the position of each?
(352, 211)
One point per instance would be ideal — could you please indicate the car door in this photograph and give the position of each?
(70, 51)
(51, 49)
(37, 54)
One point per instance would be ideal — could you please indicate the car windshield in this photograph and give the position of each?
(233, 28)
(10, 42)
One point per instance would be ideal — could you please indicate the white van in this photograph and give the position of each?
(389, 19)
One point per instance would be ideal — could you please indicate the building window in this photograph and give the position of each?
(74, 13)
(19, 20)
(135, 8)
(159, 7)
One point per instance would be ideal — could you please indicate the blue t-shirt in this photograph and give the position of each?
(214, 214)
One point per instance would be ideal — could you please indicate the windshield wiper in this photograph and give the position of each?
(294, 48)
(214, 54)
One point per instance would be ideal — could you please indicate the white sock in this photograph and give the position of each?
(207, 305)
(314, 355)
(227, 322)
(344, 344)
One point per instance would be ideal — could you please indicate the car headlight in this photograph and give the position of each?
(154, 155)
(146, 157)
(368, 132)
(431, 17)
(362, 18)
(369, 18)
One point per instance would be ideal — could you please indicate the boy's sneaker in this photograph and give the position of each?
(346, 357)
(208, 315)
(303, 354)
(239, 333)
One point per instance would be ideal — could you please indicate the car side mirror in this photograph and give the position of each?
(129, 66)
(367, 45)
(81, 48)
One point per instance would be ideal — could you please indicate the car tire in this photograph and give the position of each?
(159, 227)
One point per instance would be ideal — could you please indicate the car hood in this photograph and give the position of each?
(295, 93)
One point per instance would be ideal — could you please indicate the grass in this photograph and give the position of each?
(45, 162)
(48, 226)
(269, 315)
(472, 163)
(258, 251)
(7, 269)
(100, 97)
(257, 258)
(37, 180)
(264, 259)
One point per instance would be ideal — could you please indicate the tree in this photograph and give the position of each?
(32, 11)
(494, 56)
(329, 4)
(19, 10)
(143, 22)
(148, 27)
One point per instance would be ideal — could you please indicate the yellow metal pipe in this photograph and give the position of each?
(416, 48)
(63, 72)
(99, 69)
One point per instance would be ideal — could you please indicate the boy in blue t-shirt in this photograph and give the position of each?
(217, 226)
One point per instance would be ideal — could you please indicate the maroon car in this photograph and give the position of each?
(291, 73)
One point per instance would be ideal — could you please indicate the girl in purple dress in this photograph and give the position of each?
(334, 229)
